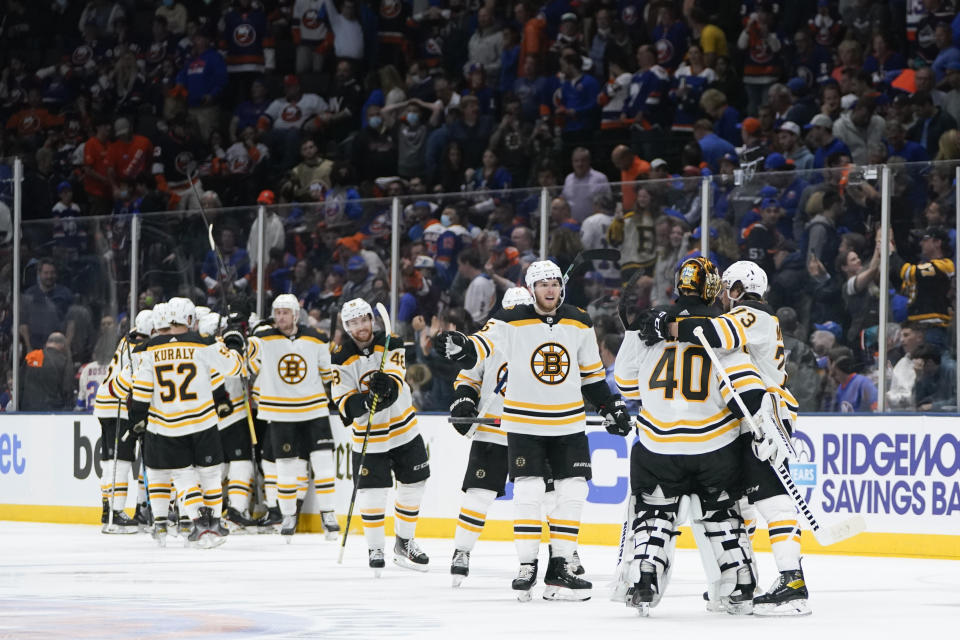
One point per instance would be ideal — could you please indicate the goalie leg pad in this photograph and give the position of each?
(528, 493)
(406, 509)
(731, 546)
(784, 530)
(473, 516)
(564, 519)
(372, 504)
(324, 478)
(654, 539)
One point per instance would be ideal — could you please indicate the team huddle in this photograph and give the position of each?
(219, 416)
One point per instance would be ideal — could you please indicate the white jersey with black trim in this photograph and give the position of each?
(108, 395)
(92, 375)
(176, 375)
(291, 372)
(352, 367)
(549, 359)
(484, 378)
(234, 388)
(683, 402)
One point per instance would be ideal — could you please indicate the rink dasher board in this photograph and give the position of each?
(902, 473)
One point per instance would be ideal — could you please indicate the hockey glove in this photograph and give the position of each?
(224, 409)
(235, 340)
(138, 417)
(455, 347)
(651, 326)
(385, 388)
(616, 418)
(465, 406)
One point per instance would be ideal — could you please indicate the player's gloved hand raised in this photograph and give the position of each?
(454, 346)
(463, 407)
(651, 326)
(384, 388)
(616, 418)
(235, 340)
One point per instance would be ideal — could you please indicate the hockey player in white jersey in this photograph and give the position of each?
(554, 363)
(394, 443)
(688, 443)
(292, 365)
(173, 405)
(109, 403)
(750, 326)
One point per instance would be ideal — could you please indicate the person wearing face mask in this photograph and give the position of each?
(375, 148)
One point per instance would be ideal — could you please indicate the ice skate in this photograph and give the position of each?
(375, 559)
(331, 528)
(270, 521)
(122, 523)
(740, 602)
(575, 567)
(562, 584)
(288, 527)
(526, 578)
(185, 528)
(159, 533)
(238, 522)
(407, 554)
(645, 594)
(143, 516)
(460, 566)
(787, 597)
(714, 606)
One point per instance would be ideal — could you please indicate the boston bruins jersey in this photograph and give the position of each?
(484, 378)
(753, 329)
(549, 359)
(352, 367)
(176, 375)
(108, 395)
(291, 372)
(233, 385)
(683, 402)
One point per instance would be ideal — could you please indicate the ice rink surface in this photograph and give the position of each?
(71, 581)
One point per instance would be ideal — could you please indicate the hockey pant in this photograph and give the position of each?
(563, 519)
(373, 503)
(324, 477)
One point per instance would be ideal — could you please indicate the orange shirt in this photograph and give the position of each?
(130, 159)
(29, 121)
(95, 157)
(533, 41)
(640, 167)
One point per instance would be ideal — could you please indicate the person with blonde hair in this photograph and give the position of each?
(949, 146)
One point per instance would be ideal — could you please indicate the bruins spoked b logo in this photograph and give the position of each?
(550, 363)
(292, 368)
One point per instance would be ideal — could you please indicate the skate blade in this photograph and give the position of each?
(118, 530)
(287, 537)
(331, 535)
(562, 593)
(377, 573)
(524, 596)
(784, 609)
(643, 609)
(619, 592)
(739, 608)
(457, 580)
(161, 541)
(400, 561)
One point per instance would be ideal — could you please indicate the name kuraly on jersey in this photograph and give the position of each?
(352, 367)
(291, 372)
(549, 359)
(176, 375)
(484, 378)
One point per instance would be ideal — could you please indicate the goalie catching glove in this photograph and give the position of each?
(455, 347)
(651, 326)
(465, 406)
(768, 443)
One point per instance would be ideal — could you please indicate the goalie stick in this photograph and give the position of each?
(825, 536)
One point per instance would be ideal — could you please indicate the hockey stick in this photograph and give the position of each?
(589, 255)
(591, 420)
(826, 537)
(116, 443)
(622, 303)
(486, 405)
(382, 311)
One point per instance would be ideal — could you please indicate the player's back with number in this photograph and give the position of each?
(177, 375)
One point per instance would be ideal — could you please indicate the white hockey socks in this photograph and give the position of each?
(187, 482)
(372, 503)
(528, 493)
(159, 489)
(270, 482)
(212, 485)
(119, 493)
(302, 480)
(473, 515)
(324, 477)
(239, 482)
(784, 530)
(406, 509)
(750, 515)
(288, 470)
(564, 520)
(141, 489)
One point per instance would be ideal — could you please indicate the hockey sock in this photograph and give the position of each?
(159, 492)
(527, 526)
(783, 529)
(324, 477)
(270, 482)
(120, 490)
(302, 480)
(407, 508)
(372, 503)
(239, 481)
(287, 471)
(473, 515)
(750, 513)
(141, 489)
(564, 519)
(105, 487)
(212, 486)
(187, 481)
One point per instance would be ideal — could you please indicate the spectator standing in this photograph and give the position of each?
(130, 155)
(348, 41)
(473, 131)
(375, 149)
(928, 284)
(486, 44)
(898, 145)
(690, 81)
(647, 88)
(96, 175)
(287, 117)
(822, 138)
(582, 184)
(713, 146)
(48, 377)
(248, 44)
(712, 40)
(481, 294)
(860, 127)
(821, 232)
(175, 159)
(932, 122)
(792, 147)
(578, 100)
(45, 306)
(249, 112)
(762, 47)
(203, 79)
(175, 14)
(632, 168)
(344, 103)
(671, 38)
(311, 34)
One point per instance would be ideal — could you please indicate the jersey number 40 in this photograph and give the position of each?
(694, 371)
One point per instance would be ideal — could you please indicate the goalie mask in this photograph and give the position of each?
(698, 277)
(515, 296)
(751, 277)
(356, 308)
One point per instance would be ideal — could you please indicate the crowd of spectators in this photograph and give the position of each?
(321, 111)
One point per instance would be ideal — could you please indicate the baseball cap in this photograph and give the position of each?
(848, 102)
(356, 263)
(350, 242)
(731, 158)
(674, 213)
(775, 161)
(797, 85)
(938, 233)
(821, 120)
(656, 163)
(121, 127)
(423, 262)
(768, 191)
(792, 127)
(768, 202)
(568, 16)
(750, 125)
(697, 233)
(64, 186)
(830, 326)
(291, 79)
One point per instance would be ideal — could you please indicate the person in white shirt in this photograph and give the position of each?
(286, 117)
(482, 292)
(486, 44)
(583, 184)
(347, 32)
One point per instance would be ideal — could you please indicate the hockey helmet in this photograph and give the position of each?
(161, 317)
(515, 296)
(209, 324)
(182, 312)
(143, 323)
(286, 301)
(542, 270)
(202, 311)
(751, 277)
(356, 308)
(266, 197)
(698, 277)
